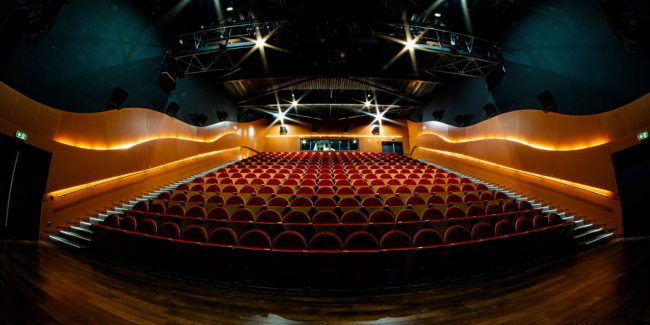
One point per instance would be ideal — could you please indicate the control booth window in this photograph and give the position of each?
(329, 144)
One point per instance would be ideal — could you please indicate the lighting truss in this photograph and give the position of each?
(298, 49)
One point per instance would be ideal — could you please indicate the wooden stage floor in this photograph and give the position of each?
(44, 284)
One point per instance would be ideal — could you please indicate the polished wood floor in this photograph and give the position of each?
(43, 284)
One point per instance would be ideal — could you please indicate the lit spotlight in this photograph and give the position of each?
(367, 103)
(437, 14)
(229, 9)
(304, 141)
(410, 44)
(259, 42)
(235, 127)
(368, 95)
(424, 127)
(294, 103)
(180, 41)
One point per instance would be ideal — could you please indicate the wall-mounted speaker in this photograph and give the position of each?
(494, 78)
(172, 109)
(460, 120)
(547, 101)
(202, 120)
(375, 130)
(117, 98)
(167, 82)
(490, 110)
(437, 115)
(283, 130)
(222, 115)
(345, 129)
(420, 117)
(314, 129)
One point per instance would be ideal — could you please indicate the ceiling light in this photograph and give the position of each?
(229, 9)
(367, 103)
(410, 44)
(259, 42)
(368, 95)
(424, 127)
(180, 41)
(294, 103)
(437, 14)
(235, 127)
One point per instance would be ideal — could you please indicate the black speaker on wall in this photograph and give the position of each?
(117, 98)
(375, 130)
(172, 109)
(202, 120)
(437, 115)
(547, 101)
(314, 129)
(167, 82)
(490, 110)
(460, 120)
(345, 129)
(420, 117)
(222, 115)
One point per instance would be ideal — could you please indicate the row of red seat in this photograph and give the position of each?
(361, 259)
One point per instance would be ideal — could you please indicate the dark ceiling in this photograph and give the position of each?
(297, 64)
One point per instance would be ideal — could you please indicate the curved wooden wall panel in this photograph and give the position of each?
(551, 131)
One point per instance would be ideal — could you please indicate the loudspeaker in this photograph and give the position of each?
(612, 13)
(490, 110)
(222, 115)
(172, 109)
(420, 118)
(37, 32)
(437, 115)
(167, 82)
(314, 129)
(460, 120)
(283, 129)
(117, 98)
(494, 78)
(547, 101)
(202, 120)
(375, 130)
(345, 129)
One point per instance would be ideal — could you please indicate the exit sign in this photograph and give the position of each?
(643, 136)
(21, 136)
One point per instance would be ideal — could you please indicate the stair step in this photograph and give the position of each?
(569, 219)
(578, 223)
(108, 213)
(583, 228)
(86, 225)
(68, 244)
(77, 238)
(95, 221)
(596, 240)
(589, 234)
(81, 231)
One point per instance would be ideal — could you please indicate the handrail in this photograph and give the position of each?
(119, 178)
(412, 151)
(541, 177)
(251, 149)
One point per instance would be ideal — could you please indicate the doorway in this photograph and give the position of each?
(392, 147)
(23, 176)
(632, 168)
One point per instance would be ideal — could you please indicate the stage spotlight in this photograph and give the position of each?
(229, 9)
(367, 103)
(437, 14)
(294, 103)
(259, 42)
(410, 44)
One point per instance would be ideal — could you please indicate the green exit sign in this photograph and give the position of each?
(643, 136)
(21, 136)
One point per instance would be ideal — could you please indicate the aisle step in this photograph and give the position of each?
(65, 243)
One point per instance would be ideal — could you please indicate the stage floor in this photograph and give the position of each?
(44, 284)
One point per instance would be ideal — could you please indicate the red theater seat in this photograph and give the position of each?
(325, 250)
(399, 248)
(161, 247)
(364, 252)
(254, 255)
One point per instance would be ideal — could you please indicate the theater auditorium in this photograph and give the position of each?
(312, 162)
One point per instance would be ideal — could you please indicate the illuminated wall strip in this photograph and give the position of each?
(513, 140)
(595, 190)
(74, 189)
(139, 142)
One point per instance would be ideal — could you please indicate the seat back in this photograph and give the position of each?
(325, 217)
(169, 230)
(504, 228)
(218, 214)
(176, 210)
(290, 240)
(297, 217)
(195, 233)
(523, 224)
(395, 239)
(475, 210)
(482, 231)
(147, 227)
(195, 212)
(268, 216)
(455, 212)
(354, 217)
(361, 241)
(381, 216)
(427, 238)
(326, 241)
(255, 239)
(407, 215)
(457, 234)
(242, 215)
